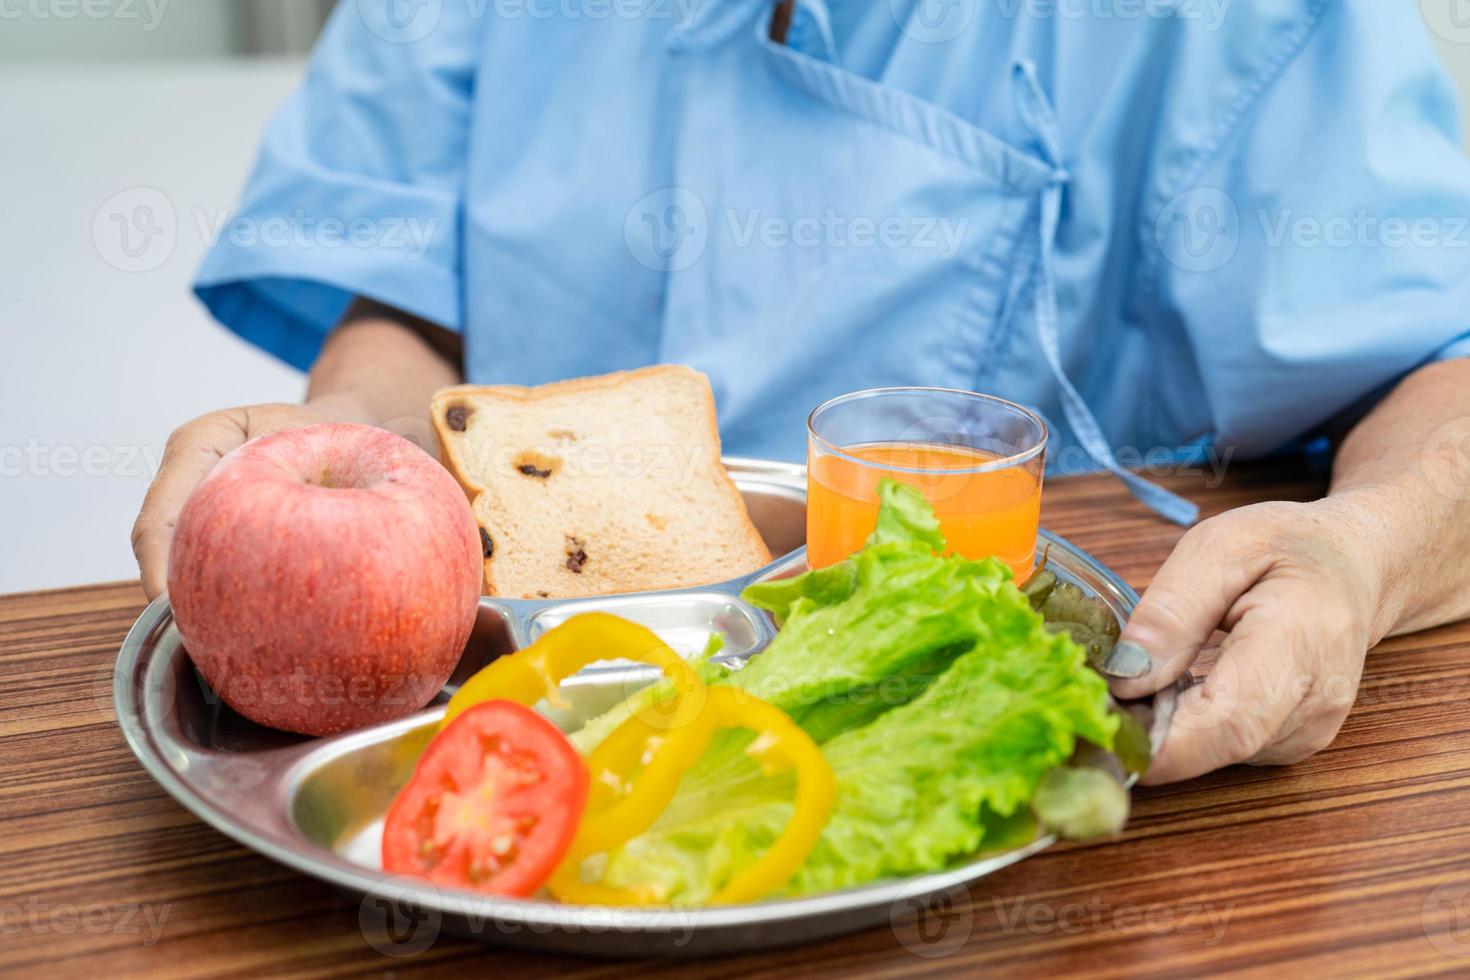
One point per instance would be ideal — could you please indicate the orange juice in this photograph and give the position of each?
(980, 514)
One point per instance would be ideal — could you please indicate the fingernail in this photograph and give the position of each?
(1127, 660)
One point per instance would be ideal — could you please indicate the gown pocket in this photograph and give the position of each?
(858, 237)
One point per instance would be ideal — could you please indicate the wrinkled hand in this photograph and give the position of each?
(1297, 589)
(192, 451)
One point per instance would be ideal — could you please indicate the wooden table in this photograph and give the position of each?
(1356, 862)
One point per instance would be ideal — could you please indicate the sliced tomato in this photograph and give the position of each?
(493, 805)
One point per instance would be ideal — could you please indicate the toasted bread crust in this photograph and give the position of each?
(453, 444)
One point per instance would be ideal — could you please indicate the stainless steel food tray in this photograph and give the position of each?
(316, 805)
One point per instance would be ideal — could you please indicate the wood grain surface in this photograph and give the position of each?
(1354, 863)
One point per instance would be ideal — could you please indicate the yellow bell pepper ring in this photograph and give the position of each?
(534, 673)
(779, 745)
(615, 812)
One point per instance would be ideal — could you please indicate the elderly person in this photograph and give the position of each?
(1182, 230)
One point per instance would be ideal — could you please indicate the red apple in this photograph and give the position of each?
(326, 578)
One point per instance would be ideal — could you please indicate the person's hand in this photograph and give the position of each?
(193, 450)
(1298, 590)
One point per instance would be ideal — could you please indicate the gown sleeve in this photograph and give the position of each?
(1322, 251)
(358, 186)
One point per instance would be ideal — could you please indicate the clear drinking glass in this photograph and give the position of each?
(976, 458)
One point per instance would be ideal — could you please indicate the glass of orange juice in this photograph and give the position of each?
(977, 459)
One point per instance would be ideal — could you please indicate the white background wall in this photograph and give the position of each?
(97, 364)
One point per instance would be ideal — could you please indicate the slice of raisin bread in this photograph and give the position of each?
(598, 485)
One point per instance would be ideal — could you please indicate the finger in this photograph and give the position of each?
(1308, 731)
(1316, 720)
(1208, 570)
(1241, 710)
(192, 452)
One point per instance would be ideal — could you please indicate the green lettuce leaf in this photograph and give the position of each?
(1079, 802)
(905, 517)
(837, 664)
(823, 587)
(1065, 607)
(937, 694)
(922, 784)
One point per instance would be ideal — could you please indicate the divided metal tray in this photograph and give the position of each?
(316, 805)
